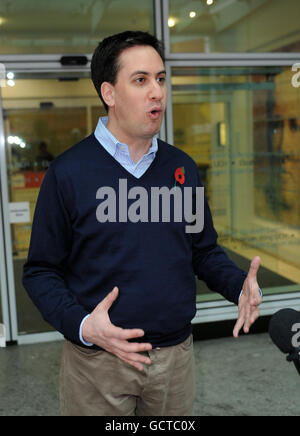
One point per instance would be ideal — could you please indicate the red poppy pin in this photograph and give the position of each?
(179, 176)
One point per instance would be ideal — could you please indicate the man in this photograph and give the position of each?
(43, 159)
(122, 291)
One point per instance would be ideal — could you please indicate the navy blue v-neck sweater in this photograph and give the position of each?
(74, 260)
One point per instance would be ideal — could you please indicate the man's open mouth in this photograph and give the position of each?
(155, 113)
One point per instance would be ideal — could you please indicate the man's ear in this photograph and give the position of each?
(108, 93)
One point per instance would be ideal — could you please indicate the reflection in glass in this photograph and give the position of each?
(45, 134)
(69, 26)
(42, 119)
(242, 127)
(222, 26)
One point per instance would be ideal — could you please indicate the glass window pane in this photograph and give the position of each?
(2, 255)
(69, 26)
(42, 118)
(1, 314)
(220, 26)
(242, 127)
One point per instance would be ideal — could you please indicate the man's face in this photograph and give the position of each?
(138, 98)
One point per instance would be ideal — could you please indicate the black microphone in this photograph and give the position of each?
(283, 328)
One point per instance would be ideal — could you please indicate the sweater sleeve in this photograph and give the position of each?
(212, 265)
(43, 273)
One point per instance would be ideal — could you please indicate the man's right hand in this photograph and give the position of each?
(99, 330)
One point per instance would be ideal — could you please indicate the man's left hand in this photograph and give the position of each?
(249, 300)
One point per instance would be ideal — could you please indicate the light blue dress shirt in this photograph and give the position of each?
(120, 152)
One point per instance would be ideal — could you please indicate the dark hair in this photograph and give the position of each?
(105, 61)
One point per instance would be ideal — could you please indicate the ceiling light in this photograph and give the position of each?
(10, 75)
(192, 14)
(209, 2)
(17, 140)
(171, 22)
(11, 83)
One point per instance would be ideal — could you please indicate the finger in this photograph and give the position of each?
(124, 334)
(250, 319)
(247, 321)
(238, 325)
(254, 266)
(244, 315)
(136, 365)
(107, 302)
(131, 362)
(134, 358)
(254, 316)
(131, 347)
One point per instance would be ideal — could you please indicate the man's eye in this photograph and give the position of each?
(161, 79)
(140, 79)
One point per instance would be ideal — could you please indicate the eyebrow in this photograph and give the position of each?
(145, 73)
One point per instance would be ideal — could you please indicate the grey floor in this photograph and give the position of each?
(248, 376)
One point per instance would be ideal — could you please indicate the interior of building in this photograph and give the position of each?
(233, 106)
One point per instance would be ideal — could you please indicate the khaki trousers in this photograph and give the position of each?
(97, 383)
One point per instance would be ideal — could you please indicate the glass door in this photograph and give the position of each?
(5, 330)
(4, 319)
(241, 126)
(5, 333)
(202, 130)
(42, 118)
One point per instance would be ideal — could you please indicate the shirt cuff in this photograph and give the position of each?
(88, 344)
(241, 293)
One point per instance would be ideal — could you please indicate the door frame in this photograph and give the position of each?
(9, 294)
(3, 263)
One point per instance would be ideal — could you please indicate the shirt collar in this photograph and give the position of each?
(110, 142)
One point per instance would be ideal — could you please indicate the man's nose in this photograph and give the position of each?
(156, 92)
